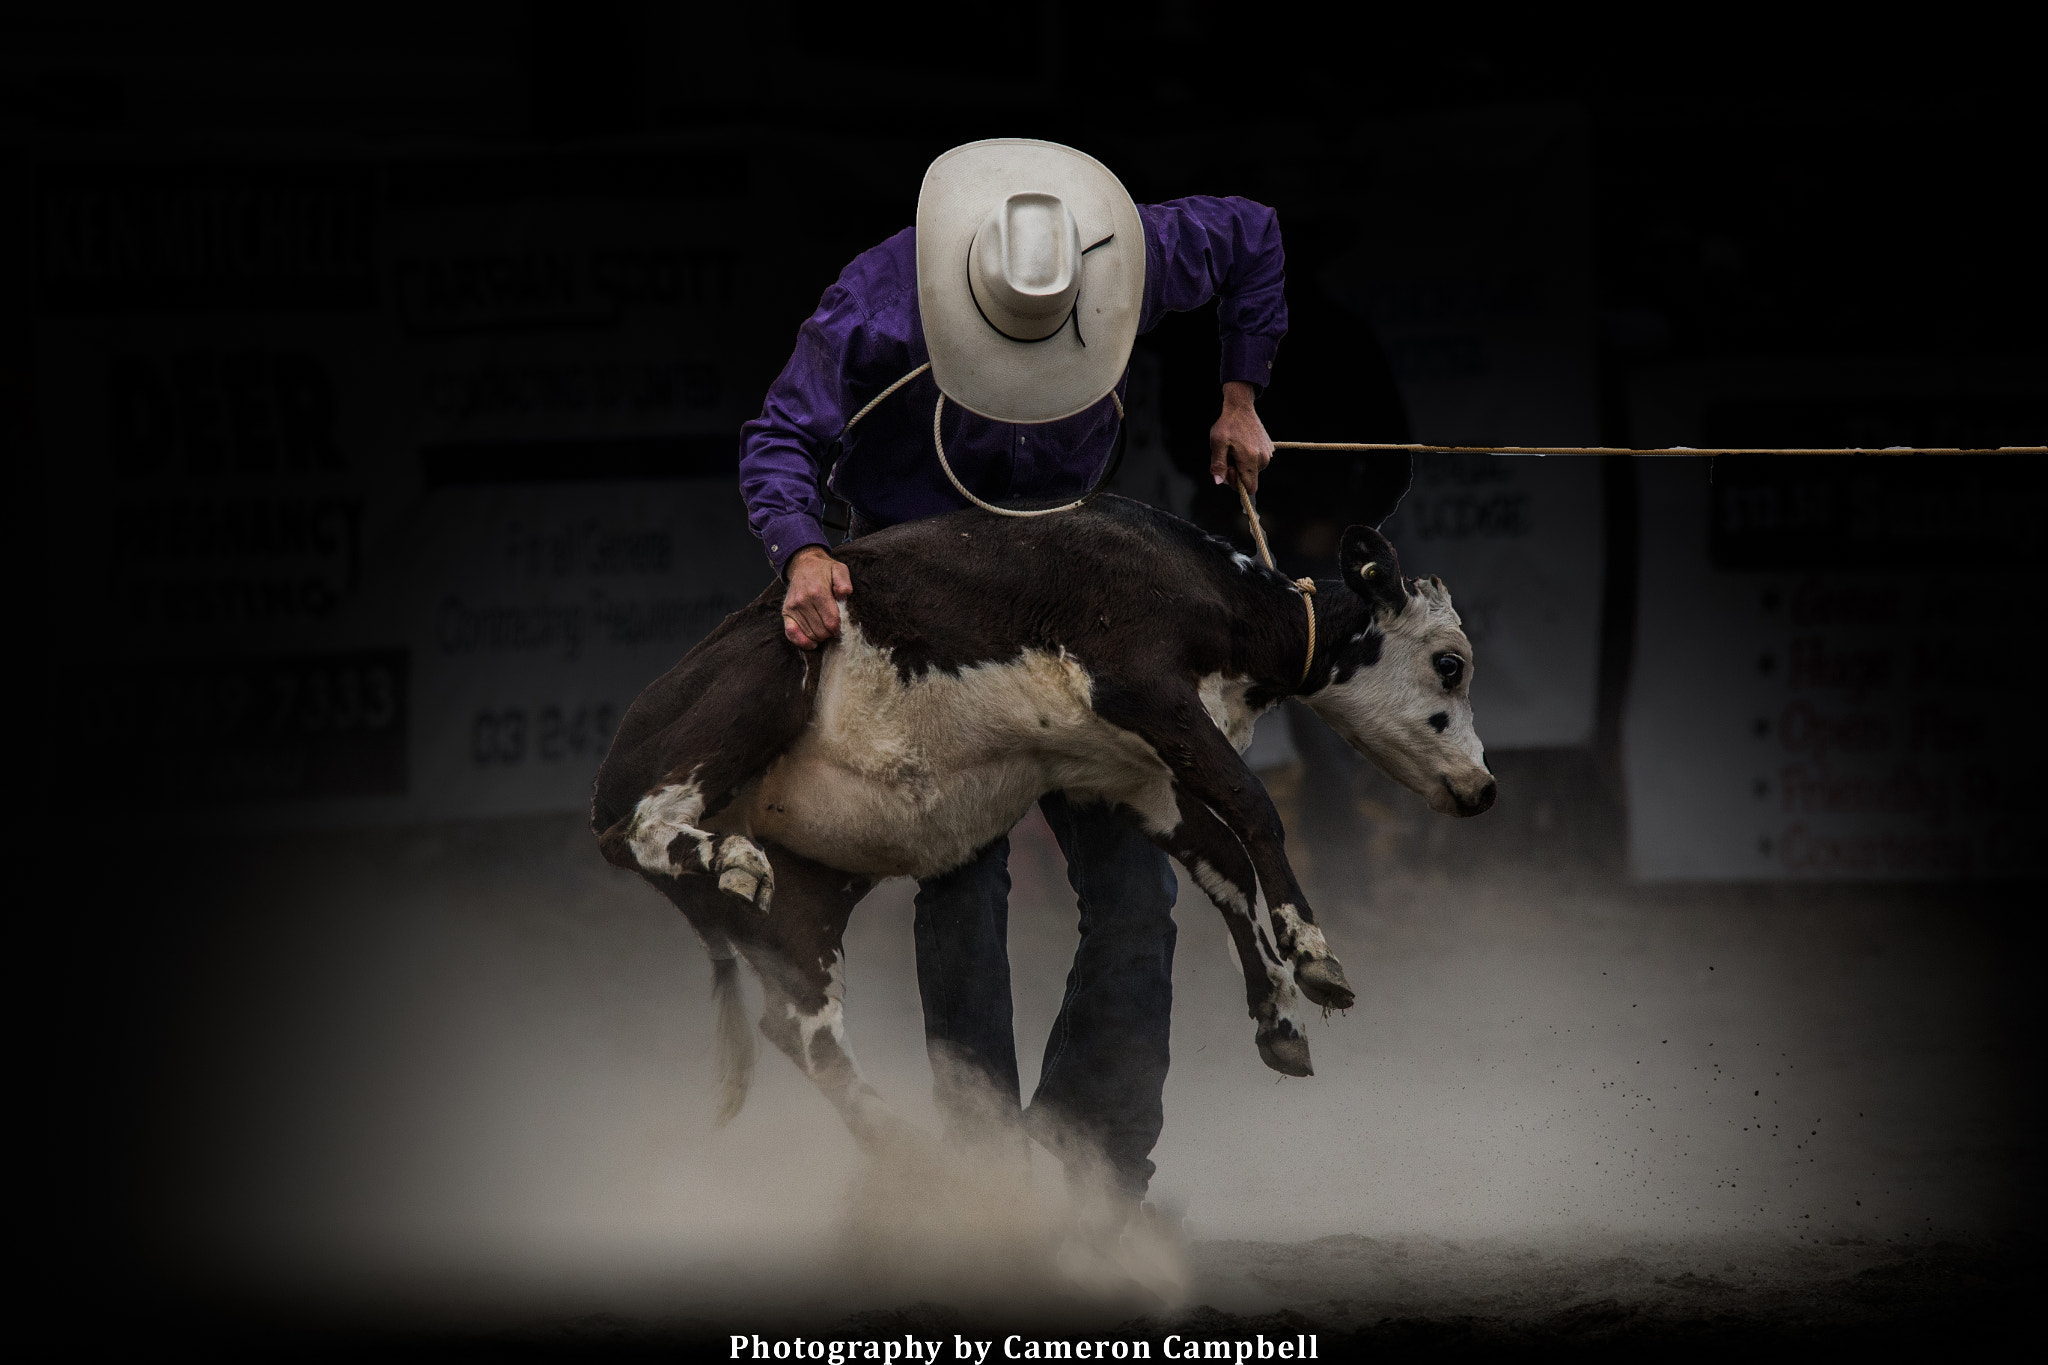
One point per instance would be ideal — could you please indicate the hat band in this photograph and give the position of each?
(1073, 313)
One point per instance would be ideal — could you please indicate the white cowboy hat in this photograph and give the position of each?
(1030, 277)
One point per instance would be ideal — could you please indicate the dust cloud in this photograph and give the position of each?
(465, 1077)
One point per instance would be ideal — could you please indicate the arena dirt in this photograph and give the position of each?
(460, 1080)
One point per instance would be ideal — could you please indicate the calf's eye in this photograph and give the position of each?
(1450, 668)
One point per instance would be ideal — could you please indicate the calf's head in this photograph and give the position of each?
(1400, 685)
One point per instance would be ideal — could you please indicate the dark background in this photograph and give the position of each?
(1761, 197)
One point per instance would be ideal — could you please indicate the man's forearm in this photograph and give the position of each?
(779, 485)
(783, 451)
(1227, 249)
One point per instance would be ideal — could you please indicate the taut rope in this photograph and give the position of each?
(1306, 586)
(1661, 450)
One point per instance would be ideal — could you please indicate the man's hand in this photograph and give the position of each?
(1239, 439)
(818, 583)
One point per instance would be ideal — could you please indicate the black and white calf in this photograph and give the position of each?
(1113, 652)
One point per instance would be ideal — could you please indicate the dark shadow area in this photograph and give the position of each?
(371, 383)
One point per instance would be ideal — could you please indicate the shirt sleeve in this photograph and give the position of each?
(783, 451)
(1203, 248)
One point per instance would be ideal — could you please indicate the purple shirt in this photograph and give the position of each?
(867, 334)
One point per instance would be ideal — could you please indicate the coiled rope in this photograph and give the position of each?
(939, 445)
(872, 402)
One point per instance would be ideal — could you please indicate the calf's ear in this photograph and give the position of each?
(1372, 569)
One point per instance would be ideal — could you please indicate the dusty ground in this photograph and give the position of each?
(455, 1084)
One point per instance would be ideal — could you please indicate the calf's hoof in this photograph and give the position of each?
(743, 871)
(1322, 980)
(1286, 1053)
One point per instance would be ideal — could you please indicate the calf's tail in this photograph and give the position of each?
(735, 1039)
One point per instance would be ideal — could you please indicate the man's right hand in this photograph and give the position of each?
(818, 583)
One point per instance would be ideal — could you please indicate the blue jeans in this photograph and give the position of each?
(1105, 1062)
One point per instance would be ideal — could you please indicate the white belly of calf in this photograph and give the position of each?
(895, 779)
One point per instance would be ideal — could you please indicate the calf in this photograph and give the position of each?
(1113, 652)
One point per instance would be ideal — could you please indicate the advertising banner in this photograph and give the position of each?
(1815, 681)
(389, 483)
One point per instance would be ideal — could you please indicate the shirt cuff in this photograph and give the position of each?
(783, 536)
(1249, 358)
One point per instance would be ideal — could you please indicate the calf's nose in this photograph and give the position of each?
(1479, 802)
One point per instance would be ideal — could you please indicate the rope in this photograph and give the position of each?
(938, 410)
(1308, 599)
(1662, 450)
(880, 396)
(1305, 586)
(1251, 514)
(938, 444)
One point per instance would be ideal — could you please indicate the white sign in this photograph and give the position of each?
(1805, 701)
(539, 613)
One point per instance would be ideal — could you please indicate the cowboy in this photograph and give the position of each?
(1010, 310)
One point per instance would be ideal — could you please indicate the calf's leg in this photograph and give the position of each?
(691, 742)
(709, 911)
(1205, 765)
(798, 952)
(1212, 855)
